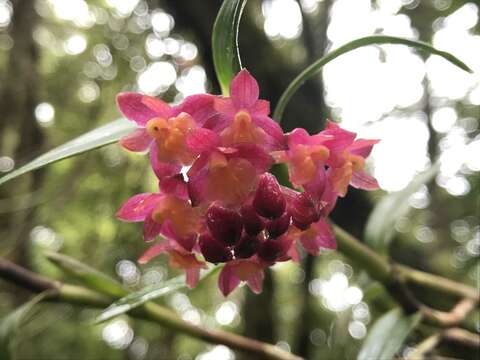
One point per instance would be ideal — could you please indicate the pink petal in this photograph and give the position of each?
(202, 140)
(297, 136)
(257, 156)
(138, 207)
(293, 253)
(244, 90)
(224, 105)
(361, 180)
(255, 282)
(150, 228)
(192, 276)
(316, 187)
(326, 237)
(273, 130)
(153, 251)
(260, 108)
(137, 141)
(162, 170)
(186, 242)
(175, 185)
(227, 281)
(197, 185)
(329, 199)
(141, 108)
(161, 108)
(362, 147)
(341, 139)
(199, 106)
(320, 235)
(199, 164)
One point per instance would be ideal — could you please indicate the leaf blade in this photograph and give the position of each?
(138, 298)
(388, 334)
(380, 227)
(101, 136)
(9, 326)
(226, 56)
(87, 275)
(315, 67)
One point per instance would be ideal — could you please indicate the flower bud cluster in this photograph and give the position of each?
(217, 202)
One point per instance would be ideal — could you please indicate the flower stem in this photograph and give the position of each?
(73, 294)
(384, 270)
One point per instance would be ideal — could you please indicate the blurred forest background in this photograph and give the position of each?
(61, 65)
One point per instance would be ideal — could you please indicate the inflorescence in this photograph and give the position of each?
(217, 201)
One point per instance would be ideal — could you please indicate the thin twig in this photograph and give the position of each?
(453, 335)
(82, 296)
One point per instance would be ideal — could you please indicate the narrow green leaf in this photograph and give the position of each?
(138, 298)
(99, 137)
(388, 334)
(88, 276)
(226, 56)
(380, 227)
(10, 324)
(315, 68)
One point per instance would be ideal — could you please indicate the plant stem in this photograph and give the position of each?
(394, 278)
(385, 270)
(73, 294)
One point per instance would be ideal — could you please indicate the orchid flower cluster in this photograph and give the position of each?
(217, 201)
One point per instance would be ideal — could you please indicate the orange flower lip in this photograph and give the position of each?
(170, 137)
(243, 130)
(185, 220)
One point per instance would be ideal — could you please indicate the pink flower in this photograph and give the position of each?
(167, 214)
(165, 130)
(318, 236)
(228, 175)
(347, 160)
(244, 118)
(179, 258)
(306, 156)
(234, 272)
(230, 209)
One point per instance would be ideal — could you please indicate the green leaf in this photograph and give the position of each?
(88, 276)
(226, 56)
(94, 139)
(138, 298)
(388, 334)
(315, 68)
(380, 227)
(10, 324)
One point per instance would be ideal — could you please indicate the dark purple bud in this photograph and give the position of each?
(269, 201)
(212, 250)
(270, 250)
(252, 223)
(278, 226)
(303, 211)
(246, 247)
(224, 224)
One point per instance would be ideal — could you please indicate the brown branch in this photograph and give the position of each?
(82, 296)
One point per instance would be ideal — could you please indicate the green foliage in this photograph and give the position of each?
(225, 51)
(94, 139)
(87, 275)
(138, 298)
(317, 66)
(10, 325)
(380, 227)
(388, 334)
